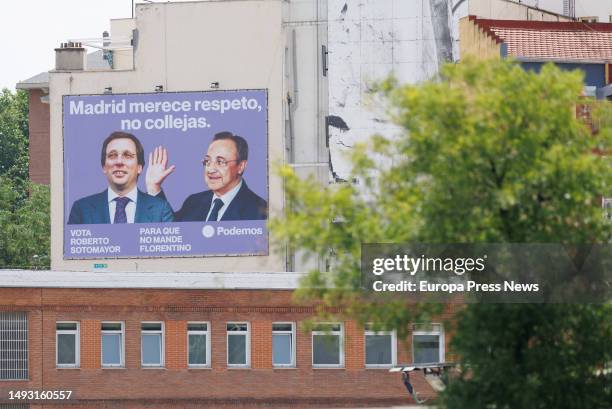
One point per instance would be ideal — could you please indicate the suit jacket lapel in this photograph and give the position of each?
(99, 209)
(235, 207)
(143, 205)
(206, 204)
(203, 202)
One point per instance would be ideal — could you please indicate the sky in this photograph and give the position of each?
(599, 8)
(31, 29)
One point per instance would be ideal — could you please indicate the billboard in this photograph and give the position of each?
(174, 174)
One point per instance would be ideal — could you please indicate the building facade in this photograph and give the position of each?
(192, 332)
(569, 45)
(187, 332)
(133, 348)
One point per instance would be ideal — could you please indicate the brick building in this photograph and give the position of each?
(70, 349)
(194, 332)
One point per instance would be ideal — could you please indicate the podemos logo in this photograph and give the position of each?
(208, 231)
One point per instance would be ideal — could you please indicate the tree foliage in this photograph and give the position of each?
(25, 225)
(14, 135)
(24, 207)
(489, 153)
(532, 356)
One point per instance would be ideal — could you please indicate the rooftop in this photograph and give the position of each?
(551, 40)
(95, 60)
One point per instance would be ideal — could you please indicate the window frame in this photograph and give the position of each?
(340, 333)
(161, 332)
(247, 334)
(199, 332)
(432, 331)
(77, 347)
(368, 332)
(121, 332)
(293, 343)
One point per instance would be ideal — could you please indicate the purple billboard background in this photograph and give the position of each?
(84, 134)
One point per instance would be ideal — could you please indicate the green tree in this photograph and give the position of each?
(532, 356)
(14, 136)
(25, 226)
(490, 153)
(24, 207)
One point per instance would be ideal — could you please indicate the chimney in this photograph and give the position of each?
(70, 57)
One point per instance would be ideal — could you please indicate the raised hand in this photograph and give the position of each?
(157, 171)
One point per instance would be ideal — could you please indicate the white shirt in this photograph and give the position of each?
(226, 198)
(130, 208)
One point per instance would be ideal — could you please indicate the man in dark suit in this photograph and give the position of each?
(229, 197)
(122, 160)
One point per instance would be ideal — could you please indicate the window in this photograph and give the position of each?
(427, 344)
(588, 19)
(380, 348)
(152, 344)
(327, 346)
(13, 346)
(67, 344)
(198, 344)
(238, 344)
(283, 344)
(112, 344)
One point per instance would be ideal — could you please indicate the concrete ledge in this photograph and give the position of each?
(70, 279)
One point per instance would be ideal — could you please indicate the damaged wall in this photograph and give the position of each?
(369, 40)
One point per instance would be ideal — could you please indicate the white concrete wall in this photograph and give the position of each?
(504, 9)
(369, 40)
(185, 47)
(276, 44)
(305, 23)
(121, 29)
(509, 10)
(306, 31)
(599, 8)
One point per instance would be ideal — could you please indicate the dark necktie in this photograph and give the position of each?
(120, 216)
(217, 205)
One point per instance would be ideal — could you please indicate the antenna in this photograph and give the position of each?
(569, 8)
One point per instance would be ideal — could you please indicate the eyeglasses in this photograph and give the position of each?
(114, 155)
(219, 162)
